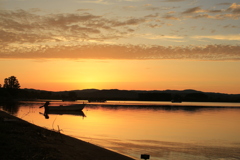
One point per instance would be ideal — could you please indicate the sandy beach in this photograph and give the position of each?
(22, 140)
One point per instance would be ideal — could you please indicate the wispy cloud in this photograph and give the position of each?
(163, 37)
(210, 52)
(21, 26)
(173, 0)
(219, 37)
(171, 17)
(96, 2)
(234, 8)
(232, 12)
(193, 10)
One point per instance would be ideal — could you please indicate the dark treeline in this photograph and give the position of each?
(10, 92)
(114, 94)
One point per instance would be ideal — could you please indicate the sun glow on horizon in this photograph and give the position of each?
(59, 75)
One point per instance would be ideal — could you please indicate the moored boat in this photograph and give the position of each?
(74, 113)
(176, 101)
(97, 100)
(69, 99)
(73, 107)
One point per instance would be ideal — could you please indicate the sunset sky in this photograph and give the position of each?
(62, 45)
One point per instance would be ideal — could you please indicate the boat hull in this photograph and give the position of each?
(73, 113)
(74, 107)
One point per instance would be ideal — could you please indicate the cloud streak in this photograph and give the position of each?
(174, 1)
(193, 10)
(220, 37)
(95, 2)
(140, 52)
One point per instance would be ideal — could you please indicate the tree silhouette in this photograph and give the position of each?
(11, 83)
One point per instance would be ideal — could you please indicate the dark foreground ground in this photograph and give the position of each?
(20, 140)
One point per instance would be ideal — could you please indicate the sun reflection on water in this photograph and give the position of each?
(163, 132)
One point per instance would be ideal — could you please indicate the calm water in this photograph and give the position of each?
(165, 132)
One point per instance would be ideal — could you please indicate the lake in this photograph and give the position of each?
(164, 130)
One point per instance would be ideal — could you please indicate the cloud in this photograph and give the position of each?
(230, 26)
(220, 37)
(26, 34)
(165, 37)
(148, 7)
(234, 8)
(171, 17)
(193, 10)
(173, 0)
(83, 10)
(132, 21)
(95, 1)
(141, 52)
(152, 15)
(21, 26)
(232, 12)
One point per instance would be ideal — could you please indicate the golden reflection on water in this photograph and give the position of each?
(162, 132)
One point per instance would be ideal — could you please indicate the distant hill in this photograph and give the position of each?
(115, 94)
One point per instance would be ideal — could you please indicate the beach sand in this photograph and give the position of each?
(23, 140)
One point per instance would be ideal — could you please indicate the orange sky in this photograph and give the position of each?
(129, 44)
(59, 74)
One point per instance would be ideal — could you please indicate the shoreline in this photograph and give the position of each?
(23, 140)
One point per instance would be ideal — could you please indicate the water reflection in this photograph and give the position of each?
(169, 108)
(161, 150)
(11, 108)
(73, 113)
(163, 131)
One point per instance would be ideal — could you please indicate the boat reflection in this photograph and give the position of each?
(52, 112)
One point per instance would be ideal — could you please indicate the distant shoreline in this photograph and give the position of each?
(121, 95)
(132, 95)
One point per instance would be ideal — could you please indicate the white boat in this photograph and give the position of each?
(73, 107)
